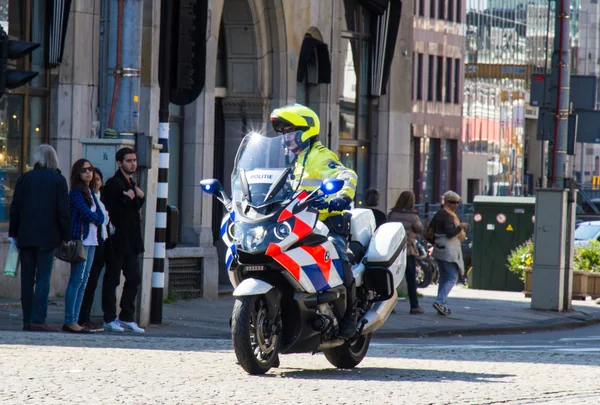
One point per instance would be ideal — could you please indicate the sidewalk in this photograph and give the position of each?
(474, 312)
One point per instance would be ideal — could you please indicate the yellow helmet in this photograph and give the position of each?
(296, 117)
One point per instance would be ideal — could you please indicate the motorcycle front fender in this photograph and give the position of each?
(252, 286)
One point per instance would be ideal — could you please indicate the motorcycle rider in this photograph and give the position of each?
(313, 163)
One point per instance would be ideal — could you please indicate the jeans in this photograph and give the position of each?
(36, 270)
(76, 287)
(92, 283)
(411, 280)
(448, 276)
(129, 263)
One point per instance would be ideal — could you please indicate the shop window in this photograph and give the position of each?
(23, 111)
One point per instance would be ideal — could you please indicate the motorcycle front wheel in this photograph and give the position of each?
(350, 354)
(252, 332)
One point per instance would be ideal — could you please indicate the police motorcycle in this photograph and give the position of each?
(286, 273)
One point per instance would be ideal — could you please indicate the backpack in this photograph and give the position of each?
(429, 235)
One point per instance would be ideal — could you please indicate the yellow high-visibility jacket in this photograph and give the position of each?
(322, 164)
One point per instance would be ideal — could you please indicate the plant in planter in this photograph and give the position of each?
(586, 266)
(521, 259)
(587, 257)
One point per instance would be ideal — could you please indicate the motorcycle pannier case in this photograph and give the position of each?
(385, 260)
(362, 225)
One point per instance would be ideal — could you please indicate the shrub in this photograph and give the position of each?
(585, 258)
(520, 259)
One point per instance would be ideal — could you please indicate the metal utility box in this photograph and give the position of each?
(500, 224)
(101, 153)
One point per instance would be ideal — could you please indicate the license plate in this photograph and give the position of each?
(255, 268)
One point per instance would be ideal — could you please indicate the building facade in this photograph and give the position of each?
(507, 41)
(260, 54)
(438, 70)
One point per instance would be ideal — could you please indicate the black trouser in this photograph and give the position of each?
(339, 230)
(92, 283)
(36, 271)
(411, 280)
(341, 246)
(129, 263)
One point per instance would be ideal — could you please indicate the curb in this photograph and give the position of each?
(498, 330)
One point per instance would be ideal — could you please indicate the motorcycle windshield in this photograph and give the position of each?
(258, 172)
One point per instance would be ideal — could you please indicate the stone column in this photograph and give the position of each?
(74, 96)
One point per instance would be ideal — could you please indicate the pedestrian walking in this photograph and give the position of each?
(372, 202)
(39, 222)
(123, 200)
(86, 217)
(447, 251)
(98, 262)
(404, 211)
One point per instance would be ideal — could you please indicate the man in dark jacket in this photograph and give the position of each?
(123, 200)
(39, 222)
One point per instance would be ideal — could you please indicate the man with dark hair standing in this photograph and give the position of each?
(123, 200)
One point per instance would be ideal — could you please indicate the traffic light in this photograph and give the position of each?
(188, 50)
(12, 49)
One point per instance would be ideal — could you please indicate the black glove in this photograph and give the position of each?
(320, 203)
(338, 204)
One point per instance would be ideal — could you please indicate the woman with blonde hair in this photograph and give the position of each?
(447, 251)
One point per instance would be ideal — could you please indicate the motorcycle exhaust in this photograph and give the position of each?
(378, 314)
(330, 344)
(319, 323)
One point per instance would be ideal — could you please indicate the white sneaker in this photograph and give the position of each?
(130, 326)
(113, 327)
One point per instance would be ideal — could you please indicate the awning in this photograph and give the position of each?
(378, 6)
(58, 19)
(385, 35)
(314, 51)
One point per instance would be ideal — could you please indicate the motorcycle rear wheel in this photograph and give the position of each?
(425, 274)
(350, 354)
(256, 347)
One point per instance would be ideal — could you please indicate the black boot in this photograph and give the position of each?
(348, 324)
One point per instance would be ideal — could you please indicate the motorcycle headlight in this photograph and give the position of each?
(253, 237)
(283, 230)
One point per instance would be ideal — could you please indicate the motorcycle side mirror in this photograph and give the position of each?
(331, 186)
(214, 187)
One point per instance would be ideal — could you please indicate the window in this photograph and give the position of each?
(458, 11)
(456, 83)
(422, 8)
(23, 111)
(450, 10)
(420, 76)
(439, 79)
(354, 98)
(414, 78)
(448, 87)
(441, 6)
(432, 9)
(431, 73)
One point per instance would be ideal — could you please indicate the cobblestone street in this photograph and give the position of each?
(109, 369)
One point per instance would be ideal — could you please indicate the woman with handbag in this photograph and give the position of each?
(447, 250)
(86, 217)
